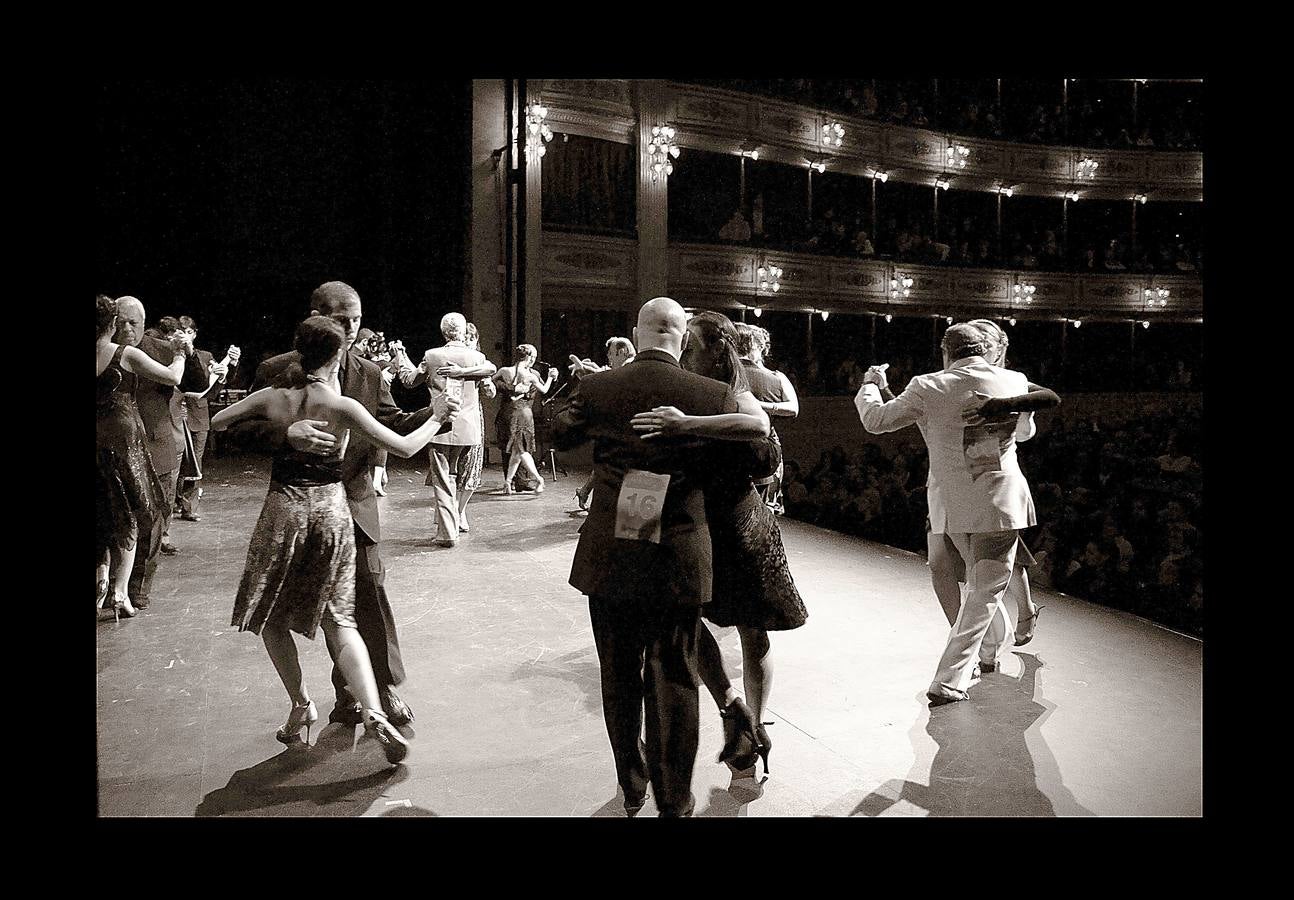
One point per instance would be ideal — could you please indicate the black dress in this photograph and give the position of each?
(753, 586)
(515, 422)
(129, 502)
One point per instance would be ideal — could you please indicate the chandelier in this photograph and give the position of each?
(1087, 167)
(662, 151)
(900, 287)
(1156, 297)
(957, 155)
(833, 133)
(1023, 293)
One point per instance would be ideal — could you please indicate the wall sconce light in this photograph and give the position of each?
(662, 151)
(948, 319)
(1005, 190)
(1145, 323)
(1087, 168)
(833, 133)
(1140, 198)
(751, 154)
(1078, 323)
(824, 313)
(818, 165)
(1071, 196)
(1012, 321)
(537, 131)
(770, 278)
(757, 311)
(889, 317)
(941, 183)
(878, 175)
(957, 156)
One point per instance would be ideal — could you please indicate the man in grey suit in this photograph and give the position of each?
(454, 368)
(977, 494)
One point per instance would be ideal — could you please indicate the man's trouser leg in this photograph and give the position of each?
(444, 461)
(187, 493)
(374, 620)
(989, 559)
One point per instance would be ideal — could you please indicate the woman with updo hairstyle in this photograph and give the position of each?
(517, 385)
(300, 570)
(753, 588)
(129, 502)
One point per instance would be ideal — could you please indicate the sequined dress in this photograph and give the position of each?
(301, 560)
(129, 499)
(515, 422)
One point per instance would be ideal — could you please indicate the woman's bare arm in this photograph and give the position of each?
(253, 406)
(139, 363)
(748, 424)
(353, 415)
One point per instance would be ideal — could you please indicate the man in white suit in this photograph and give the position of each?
(449, 369)
(977, 494)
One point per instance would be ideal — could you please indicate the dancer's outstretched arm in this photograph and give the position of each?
(352, 414)
(748, 424)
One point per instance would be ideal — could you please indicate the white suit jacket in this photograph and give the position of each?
(975, 482)
(467, 424)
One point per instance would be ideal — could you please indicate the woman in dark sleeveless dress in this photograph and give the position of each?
(129, 502)
(515, 421)
(776, 396)
(301, 561)
(753, 587)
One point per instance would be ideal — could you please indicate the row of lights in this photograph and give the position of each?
(662, 151)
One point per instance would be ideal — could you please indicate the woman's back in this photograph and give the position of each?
(316, 401)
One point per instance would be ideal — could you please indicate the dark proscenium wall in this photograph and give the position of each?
(231, 200)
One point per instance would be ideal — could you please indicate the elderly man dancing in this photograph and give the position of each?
(977, 494)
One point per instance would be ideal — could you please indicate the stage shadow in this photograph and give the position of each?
(407, 811)
(548, 535)
(578, 667)
(731, 803)
(991, 759)
(343, 782)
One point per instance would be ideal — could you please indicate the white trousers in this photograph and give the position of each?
(982, 624)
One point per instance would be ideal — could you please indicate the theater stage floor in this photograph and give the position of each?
(1099, 715)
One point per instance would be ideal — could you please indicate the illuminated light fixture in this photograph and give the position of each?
(1005, 190)
(1087, 168)
(537, 131)
(941, 183)
(889, 318)
(900, 286)
(833, 133)
(662, 150)
(824, 313)
(1078, 323)
(818, 166)
(1156, 296)
(757, 311)
(1145, 323)
(1012, 321)
(948, 319)
(1071, 196)
(957, 156)
(751, 154)
(878, 175)
(1023, 293)
(770, 278)
(1140, 198)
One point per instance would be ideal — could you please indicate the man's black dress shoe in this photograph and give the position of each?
(346, 713)
(170, 549)
(397, 711)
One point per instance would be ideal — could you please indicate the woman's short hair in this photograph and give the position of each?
(318, 339)
(525, 351)
(105, 313)
(717, 330)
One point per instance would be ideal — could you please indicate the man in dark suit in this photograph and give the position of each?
(154, 401)
(361, 380)
(644, 557)
(191, 409)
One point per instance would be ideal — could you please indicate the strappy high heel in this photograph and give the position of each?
(763, 743)
(738, 735)
(301, 717)
(1033, 623)
(393, 743)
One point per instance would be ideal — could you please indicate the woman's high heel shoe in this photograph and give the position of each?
(539, 489)
(763, 744)
(121, 608)
(508, 488)
(300, 717)
(392, 741)
(738, 735)
(1020, 639)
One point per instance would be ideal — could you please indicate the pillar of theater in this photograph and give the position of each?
(651, 101)
(484, 293)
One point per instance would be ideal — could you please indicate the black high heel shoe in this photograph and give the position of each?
(738, 735)
(300, 717)
(393, 743)
(763, 744)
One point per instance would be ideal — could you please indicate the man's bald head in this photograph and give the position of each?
(662, 325)
(130, 321)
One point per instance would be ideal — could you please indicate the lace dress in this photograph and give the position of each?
(752, 578)
(515, 422)
(301, 560)
(129, 502)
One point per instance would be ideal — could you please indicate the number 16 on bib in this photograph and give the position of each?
(639, 506)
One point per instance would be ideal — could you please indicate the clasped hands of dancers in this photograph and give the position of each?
(676, 529)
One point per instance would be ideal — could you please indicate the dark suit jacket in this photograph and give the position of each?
(678, 570)
(361, 380)
(196, 409)
(154, 401)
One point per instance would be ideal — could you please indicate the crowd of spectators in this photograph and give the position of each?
(1119, 509)
(1098, 113)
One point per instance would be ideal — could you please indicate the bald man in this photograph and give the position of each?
(154, 401)
(644, 557)
(361, 380)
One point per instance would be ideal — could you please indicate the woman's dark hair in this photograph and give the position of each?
(318, 339)
(106, 313)
(717, 329)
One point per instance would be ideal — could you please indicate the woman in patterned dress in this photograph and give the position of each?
(301, 561)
